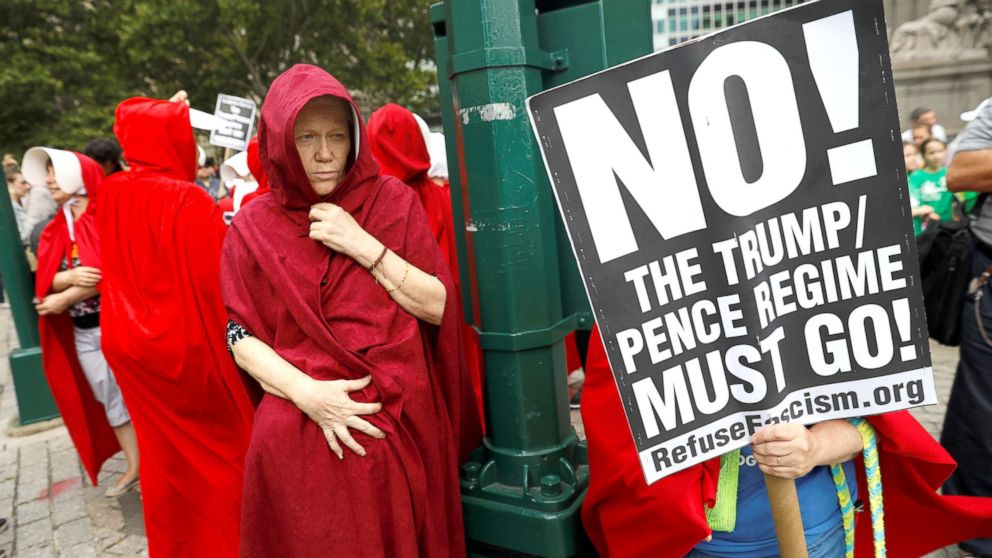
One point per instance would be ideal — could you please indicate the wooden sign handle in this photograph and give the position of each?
(785, 512)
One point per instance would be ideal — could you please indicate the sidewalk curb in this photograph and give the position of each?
(15, 430)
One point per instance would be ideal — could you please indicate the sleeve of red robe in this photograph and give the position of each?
(918, 520)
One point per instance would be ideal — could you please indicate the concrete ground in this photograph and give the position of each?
(55, 511)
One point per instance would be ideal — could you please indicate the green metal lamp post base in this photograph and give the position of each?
(33, 398)
(539, 517)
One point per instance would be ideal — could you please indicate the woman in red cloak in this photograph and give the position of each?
(69, 315)
(163, 322)
(343, 309)
(623, 516)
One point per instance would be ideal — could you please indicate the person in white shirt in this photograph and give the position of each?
(18, 189)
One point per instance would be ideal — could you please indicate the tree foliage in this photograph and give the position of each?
(66, 65)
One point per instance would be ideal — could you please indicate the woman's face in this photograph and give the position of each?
(58, 195)
(323, 140)
(912, 157)
(20, 186)
(935, 154)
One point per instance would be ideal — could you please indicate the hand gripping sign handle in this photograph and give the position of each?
(785, 513)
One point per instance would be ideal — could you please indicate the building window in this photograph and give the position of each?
(682, 20)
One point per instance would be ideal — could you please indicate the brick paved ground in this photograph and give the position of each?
(52, 507)
(55, 511)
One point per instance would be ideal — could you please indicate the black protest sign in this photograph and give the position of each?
(239, 116)
(738, 208)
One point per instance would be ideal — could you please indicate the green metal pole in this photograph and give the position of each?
(34, 400)
(522, 490)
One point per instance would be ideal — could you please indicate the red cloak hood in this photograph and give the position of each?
(620, 503)
(398, 144)
(324, 314)
(84, 416)
(277, 146)
(141, 125)
(163, 334)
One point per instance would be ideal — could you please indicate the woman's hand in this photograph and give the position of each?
(180, 97)
(791, 450)
(786, 450)
(327, 403)
(85, 276)
(52, 304)
(337, 229)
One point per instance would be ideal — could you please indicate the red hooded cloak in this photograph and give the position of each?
(324, 313)
(84, 416)
(398, 146)
(623, 516)
(163, 334)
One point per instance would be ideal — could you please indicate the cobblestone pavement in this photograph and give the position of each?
(55, 511)
(52, 507)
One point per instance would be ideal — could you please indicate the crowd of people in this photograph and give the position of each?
(333, 415)
(344, 377)
(927, 156)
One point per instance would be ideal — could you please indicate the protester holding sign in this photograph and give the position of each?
(685, 508)
(967, 433)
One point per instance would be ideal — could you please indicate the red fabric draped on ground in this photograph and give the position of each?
(84, 416)
(324, 314)
(163, 334)
(619, 503)
(398, 146)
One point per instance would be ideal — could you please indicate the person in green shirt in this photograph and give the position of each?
(928, 191)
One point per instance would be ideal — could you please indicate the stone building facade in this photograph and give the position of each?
(941, 56)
